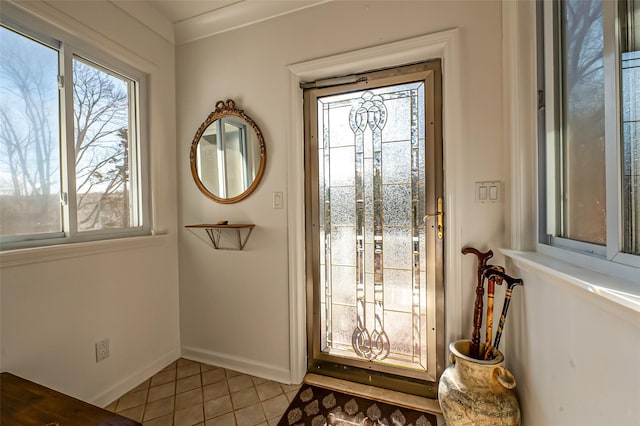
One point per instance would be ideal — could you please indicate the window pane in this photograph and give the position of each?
(583, 147)
(103, 147)
(29, 137)
(631, 150)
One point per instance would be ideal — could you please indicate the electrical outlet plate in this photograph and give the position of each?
(102, 350)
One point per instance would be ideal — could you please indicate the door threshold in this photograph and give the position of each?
(387, 396)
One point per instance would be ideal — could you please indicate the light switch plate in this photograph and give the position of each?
(278, 200)
(488, 192)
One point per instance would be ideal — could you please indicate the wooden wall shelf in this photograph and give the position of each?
(231, 236)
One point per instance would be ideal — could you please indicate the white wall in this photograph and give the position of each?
(56, 303)
(234, 305)
(575, 355)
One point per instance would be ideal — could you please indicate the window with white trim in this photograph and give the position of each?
(71, 157)
(589, 149)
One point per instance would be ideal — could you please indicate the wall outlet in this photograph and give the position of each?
(102, 350)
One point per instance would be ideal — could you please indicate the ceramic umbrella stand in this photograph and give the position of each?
(477, 392)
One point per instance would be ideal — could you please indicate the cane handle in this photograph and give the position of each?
(482, 257)
(511, 282)
(497, 278)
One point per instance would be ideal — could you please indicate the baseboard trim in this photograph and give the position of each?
(125, 385)
(400, 399)
(236, 363)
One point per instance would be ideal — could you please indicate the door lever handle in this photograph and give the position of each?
(440, 215)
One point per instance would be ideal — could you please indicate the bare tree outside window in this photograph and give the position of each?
(630, 131)
(631, 148)
(30, 147)
(29, 136)
(583, 153)
(101, 122)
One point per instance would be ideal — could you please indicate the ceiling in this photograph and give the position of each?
(183, 21)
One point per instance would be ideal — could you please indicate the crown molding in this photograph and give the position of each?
(148, 16)
(236, 15)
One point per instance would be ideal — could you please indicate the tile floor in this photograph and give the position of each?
(188, 393)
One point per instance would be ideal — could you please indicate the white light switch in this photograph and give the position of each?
(488, 192)
(278, 200)
(493, 193)
(482, 193)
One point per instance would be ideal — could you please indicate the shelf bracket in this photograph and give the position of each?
(225, 237)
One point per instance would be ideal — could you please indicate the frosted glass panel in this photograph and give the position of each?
(342, 241)
(397, 129)
(343, 294)
(342, 173)
(399, 328)
(398, 253)
(397, 205)
(396, 157)
(342, 212)
(372, 201)
(398, 291)
(343, 323)
(339, 126)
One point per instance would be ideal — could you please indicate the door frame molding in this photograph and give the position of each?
(443, 45)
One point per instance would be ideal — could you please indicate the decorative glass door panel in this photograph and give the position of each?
(375, 154)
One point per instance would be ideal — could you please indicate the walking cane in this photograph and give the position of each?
(511, 283)
(491, 289)
(474, 348)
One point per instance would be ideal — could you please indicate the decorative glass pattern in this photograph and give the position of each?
(372, 196)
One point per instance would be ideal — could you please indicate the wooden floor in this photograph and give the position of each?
(25, 403)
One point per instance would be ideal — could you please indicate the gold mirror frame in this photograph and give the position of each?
(227, 109)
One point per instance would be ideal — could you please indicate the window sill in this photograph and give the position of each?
(31, 255)
(612, 290)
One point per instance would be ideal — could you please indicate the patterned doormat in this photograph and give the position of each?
(315, 406)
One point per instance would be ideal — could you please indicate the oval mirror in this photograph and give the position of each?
(228, 154)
